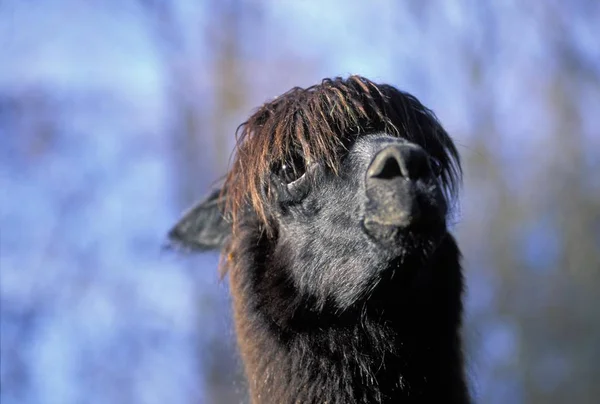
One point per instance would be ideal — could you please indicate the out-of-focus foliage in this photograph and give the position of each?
(114, 116)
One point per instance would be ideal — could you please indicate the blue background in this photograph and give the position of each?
(116, 115)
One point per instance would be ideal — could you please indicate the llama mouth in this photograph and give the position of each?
(390, 211)
(393, 234)
(396, 209)
(388, 215)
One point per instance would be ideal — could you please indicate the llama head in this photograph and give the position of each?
(333, 189)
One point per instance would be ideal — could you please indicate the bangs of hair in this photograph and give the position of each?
(315, 123)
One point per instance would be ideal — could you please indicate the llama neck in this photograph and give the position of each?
(367, 363)
(405, 348)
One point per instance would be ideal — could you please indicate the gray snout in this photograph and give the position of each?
(391, 185)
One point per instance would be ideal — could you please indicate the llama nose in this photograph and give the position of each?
(407, 161)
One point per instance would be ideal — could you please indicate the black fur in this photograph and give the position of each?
(401, 345)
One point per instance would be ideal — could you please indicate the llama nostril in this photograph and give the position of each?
(388, 169)
(388, 164)
(399, 161)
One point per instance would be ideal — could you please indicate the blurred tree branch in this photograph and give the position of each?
(198, 128)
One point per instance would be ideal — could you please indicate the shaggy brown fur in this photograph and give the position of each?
(317, 122)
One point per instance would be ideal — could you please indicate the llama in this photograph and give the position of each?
(332, 223)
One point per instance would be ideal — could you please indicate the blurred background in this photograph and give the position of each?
(117, 115)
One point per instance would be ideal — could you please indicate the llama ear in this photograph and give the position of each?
(203, 227)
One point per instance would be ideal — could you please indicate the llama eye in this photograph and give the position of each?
(291, 172)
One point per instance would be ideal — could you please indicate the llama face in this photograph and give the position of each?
(340, 234)
(334, 189)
